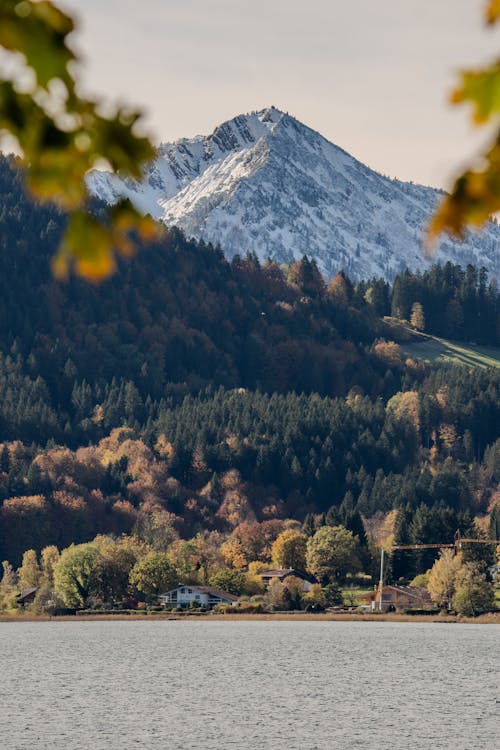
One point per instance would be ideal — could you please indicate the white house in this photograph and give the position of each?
(206, 596)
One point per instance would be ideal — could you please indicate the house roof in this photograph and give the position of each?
(215, 592)
(204, 590)
(417, 592)
(283, 573)
(27, 593)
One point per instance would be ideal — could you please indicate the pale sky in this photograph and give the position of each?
(373, 76)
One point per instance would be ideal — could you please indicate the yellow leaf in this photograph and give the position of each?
(97, 267)
(87, 244)
(492, 11)
(475, 197)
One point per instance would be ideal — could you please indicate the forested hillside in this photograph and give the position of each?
(189, 394)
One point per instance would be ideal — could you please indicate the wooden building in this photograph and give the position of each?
(397, 597)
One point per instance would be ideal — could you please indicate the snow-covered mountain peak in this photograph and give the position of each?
(268, 183)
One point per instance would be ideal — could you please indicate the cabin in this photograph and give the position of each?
(188, 595)
(26, 596)
(397, 597)
(281, 573)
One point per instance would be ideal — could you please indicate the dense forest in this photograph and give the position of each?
(189, 394)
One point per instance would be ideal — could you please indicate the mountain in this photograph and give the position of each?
(266, 183)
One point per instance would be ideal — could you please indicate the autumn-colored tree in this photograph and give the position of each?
(209, 553)
(183, 556)
(29, 574)
(406, 404)
(417, 317)
(277, 596)
(153, 574)
(46, 599)
(73, 574)
(332, 552)
(474, 593)
(8, 586)
(236, 507)
(49, 557)
(234, 554)
(155, 526)
(305, 274)
(443, 576)
(289, 550)
(295, 588)
(340, 290)
(315, 597)
(389, 352)
(257, 538)
(112, 567)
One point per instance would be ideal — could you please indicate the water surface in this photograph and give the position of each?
(252, 685)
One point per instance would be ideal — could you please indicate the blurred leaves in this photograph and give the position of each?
(475, 195)
(61, 135)
(482, 89)
(492, 11)
(88, 243)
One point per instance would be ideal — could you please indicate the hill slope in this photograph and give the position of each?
(266, 183)
(438, 350)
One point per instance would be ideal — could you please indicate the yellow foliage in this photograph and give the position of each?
(289, 550)
(256, 567)
(234, 555)
(492, 11)
(475, 195)
(164, 447)
(405, 404)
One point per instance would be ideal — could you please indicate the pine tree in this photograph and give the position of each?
(309, 527)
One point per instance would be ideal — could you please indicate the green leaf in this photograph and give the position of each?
(123, 149)
(38, 30)
(62, 138)
(482, 89)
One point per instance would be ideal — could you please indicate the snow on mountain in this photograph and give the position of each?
(267, 183)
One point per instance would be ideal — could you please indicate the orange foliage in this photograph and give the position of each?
(389, 352)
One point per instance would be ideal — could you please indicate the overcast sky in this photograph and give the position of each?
(372, 76)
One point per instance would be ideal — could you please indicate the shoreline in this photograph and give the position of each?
(490, 618)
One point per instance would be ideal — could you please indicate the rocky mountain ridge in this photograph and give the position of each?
(266, 183)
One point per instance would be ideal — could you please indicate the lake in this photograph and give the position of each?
(252, 685)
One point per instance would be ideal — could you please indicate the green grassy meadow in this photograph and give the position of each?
(437, 350)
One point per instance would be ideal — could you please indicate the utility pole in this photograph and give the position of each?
(381, 582)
